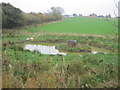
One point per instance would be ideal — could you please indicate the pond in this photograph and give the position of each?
(43, 49)
(51, 50)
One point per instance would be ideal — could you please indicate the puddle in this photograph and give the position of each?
(95, 52)
(43, 49)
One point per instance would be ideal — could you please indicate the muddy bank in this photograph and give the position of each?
(48, 41)
(74, 51)
(83, 35)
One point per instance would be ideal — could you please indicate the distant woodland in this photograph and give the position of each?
(13, 17)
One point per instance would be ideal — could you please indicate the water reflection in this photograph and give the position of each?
(95, 52)
(43, 49)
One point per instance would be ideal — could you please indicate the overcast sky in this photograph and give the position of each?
(85, 7)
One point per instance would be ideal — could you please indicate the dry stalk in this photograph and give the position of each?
(63, 59)
(78, 82)
(63, 72)
(20, 83)
(50, 59)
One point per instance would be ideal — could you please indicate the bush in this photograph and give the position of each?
(11, 17)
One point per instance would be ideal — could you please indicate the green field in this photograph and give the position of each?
(82, 25)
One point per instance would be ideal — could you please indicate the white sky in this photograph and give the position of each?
(85, 7)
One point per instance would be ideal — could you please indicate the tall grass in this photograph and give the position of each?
(88, 72)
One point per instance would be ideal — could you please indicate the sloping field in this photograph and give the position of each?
(82, 25)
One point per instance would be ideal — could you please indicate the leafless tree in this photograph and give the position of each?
(57, 10)
(118, 7)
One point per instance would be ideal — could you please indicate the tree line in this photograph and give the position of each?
(13, 17)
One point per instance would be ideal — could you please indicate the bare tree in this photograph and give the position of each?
(57, 10)
(118, 7)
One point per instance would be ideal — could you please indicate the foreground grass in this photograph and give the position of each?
(33, 70)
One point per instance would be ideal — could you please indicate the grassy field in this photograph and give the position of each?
(25, 69)
(82, 25)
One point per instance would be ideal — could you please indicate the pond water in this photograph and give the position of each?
(43, 49)
(94, 52)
